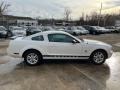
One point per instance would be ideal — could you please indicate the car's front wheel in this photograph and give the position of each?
(32, 58)
(9, 34)
(98, 57)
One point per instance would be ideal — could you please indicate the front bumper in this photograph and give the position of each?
(110, 53)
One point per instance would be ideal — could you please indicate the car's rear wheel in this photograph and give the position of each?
(32, 58)
(98, 57)
(94, 33)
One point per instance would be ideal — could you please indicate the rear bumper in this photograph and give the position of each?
(12, 54)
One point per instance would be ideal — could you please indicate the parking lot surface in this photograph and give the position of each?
(61, 75)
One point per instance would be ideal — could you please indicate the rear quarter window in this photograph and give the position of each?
(38, 38)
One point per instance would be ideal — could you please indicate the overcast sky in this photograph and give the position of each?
(55, 8)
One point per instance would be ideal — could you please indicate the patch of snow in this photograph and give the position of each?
(8, 64)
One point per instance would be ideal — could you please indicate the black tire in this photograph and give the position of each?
(98, 60)
(9, 35)
(36, 54)
(94, 33)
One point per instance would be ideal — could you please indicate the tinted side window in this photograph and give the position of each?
(60, 38)
(38, 38)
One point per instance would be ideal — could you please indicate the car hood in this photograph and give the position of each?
(95, 42)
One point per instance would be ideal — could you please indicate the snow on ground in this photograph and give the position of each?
(7, 64)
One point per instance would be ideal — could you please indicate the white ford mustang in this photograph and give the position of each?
(58, 45)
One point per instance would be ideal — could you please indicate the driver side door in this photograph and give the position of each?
(61, 45)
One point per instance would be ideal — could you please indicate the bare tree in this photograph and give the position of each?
(3, 8)
(67, 14)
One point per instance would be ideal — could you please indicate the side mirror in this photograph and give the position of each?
(74, 42)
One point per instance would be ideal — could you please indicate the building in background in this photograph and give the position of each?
(56, 22)
(27, 22)
(9, 20)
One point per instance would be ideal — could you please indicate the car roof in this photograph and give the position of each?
(52, 32)
(46, 33)
(49, 32)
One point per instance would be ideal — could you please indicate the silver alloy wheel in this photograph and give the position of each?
(98, 57)
(32, 58)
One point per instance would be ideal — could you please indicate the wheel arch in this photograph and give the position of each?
(103, 50)
(31, 49)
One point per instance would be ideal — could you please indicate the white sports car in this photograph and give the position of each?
(58, 45)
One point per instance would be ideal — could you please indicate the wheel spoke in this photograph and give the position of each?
(32, 58)
(98, 57)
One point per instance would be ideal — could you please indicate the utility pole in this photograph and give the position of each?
(99, 17)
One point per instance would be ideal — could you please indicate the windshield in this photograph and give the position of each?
(2, 29)
(97, 27)
(80, 28)
(73, 28)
